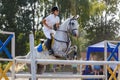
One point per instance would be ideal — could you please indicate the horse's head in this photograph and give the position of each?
(68, 26)
(73, 26)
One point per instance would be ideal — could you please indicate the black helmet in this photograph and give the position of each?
(54, 8)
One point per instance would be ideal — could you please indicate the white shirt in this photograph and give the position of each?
(51, 20)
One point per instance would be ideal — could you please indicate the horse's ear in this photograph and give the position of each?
(75, 17)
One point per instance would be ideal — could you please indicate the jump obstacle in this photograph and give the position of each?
(10, 55)
(33, 62)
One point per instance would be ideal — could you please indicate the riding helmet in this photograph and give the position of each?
(54, 9)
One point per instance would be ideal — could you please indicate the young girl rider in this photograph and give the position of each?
(48, 23)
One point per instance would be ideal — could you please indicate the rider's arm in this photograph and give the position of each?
(58, 22)
(57, 25)
(44, 23)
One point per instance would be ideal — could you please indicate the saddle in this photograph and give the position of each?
(42, 46)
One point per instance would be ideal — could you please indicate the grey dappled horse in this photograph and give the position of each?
(62, 44)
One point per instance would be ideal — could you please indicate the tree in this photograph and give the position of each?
(8, 12)
(17, 16)
(103, 26)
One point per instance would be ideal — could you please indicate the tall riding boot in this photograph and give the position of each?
(51, 50)
(48, 45)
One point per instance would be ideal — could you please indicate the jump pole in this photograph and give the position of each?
(33, 61)
(13, 55)
(105, 58)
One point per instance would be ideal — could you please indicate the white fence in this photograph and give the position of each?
(34, 61)
(68, 62)
(12, 52)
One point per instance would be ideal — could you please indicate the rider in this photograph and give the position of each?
(48, 23)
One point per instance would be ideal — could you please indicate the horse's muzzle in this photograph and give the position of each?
(75, 33)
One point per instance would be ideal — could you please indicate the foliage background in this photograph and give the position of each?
(99, 20)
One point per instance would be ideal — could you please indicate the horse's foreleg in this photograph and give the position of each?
(72, 49)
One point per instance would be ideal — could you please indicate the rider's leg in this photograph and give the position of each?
(48, 45)
(51, 50)
(49, 40)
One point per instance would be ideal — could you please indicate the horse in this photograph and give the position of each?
(61, 46)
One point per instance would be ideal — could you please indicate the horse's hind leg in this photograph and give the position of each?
(29, 69)
(40, 69)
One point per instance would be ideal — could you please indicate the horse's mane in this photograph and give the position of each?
(65, 22)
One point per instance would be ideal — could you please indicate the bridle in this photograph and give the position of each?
(71, 24)
(67, 32)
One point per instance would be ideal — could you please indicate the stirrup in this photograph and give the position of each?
(51, 52)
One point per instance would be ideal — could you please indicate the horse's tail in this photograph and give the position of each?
(19, 66)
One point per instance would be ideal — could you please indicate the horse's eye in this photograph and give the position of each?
(72, 23)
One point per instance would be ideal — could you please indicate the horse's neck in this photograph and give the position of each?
(62, 33)
(64, 25)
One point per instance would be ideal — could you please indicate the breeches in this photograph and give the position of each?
(48, 33)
